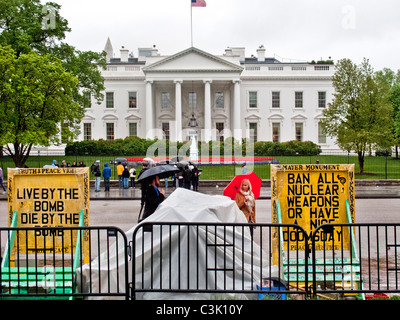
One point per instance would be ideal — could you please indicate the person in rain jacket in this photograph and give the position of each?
(106, 176)
(125, 177)
(246, 202)
(97, 175)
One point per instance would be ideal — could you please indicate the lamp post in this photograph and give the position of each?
(194, 150)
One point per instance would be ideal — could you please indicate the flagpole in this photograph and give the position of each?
(191, 23)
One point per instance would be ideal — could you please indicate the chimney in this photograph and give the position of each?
(154, 51)
(124, 54)
(261, 54)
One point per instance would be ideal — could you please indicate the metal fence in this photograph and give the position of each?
(210, 259)
(63, 263)
(370, 264)
(200, 260)
(277, 261)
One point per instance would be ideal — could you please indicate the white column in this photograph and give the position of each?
(207, 110)
(237, 129)
(178, 110)
(149, 110)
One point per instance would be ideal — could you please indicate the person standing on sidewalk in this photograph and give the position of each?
(106, 176)
(153, 198)
(97, 176)
(125, 177)
(246, 202)
(132, 173)
(120, 170)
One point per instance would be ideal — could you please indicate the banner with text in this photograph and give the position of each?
(310, 195)
(52, 197)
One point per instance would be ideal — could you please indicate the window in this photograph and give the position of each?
(87, 131)
(132, 100)
(321, 134)
(252, 99)
(321, 68)
(110, 131)
(219, 100)
(276, 99)
(298, 99)
(192, 100)
(165, 129)
(321, 99)
(220, 128)
(253, 131)
(165, 100)
(133, 129)
(87, 102)
(299, 131)
(276, 131)
(109, 99)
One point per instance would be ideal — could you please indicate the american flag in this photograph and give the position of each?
(198, 3)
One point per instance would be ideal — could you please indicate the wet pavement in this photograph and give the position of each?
(364, 189)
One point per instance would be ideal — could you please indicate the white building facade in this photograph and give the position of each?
(195, 93)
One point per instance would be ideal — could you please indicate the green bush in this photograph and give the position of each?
(289, 148)
(135, 146)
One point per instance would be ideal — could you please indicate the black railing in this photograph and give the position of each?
(194, 258)
(63, 263)
(200, 260)
(370, 263)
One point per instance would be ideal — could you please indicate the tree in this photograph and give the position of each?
(392, 80)
(29, 28)
(360, 115)
(395, 100)
(36, 95)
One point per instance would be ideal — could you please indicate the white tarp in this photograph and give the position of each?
(186, 257)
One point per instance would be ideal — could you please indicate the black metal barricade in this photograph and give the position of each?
(367, 262)
(63, 263)
(212, 258)
(200, 259)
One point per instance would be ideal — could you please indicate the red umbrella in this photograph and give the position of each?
(234, 186)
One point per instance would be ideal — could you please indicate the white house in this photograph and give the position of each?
(195, 93)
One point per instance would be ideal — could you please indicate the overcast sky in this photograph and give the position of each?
(288, 29)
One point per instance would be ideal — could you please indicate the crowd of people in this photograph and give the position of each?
(187, 177)
(152, 195)
(126, 175)
(64, 164)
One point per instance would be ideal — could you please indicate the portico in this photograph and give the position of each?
(192, 83)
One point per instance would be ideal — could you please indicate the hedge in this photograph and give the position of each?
(135, 146)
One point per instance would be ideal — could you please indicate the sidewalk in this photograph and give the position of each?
(367, 189)
(361, 192)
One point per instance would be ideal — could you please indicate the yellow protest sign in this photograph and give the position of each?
(311, 195)
(51, 197)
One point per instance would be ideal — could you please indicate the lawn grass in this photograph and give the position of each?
(374, 167)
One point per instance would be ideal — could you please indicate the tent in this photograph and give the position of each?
(184, 257)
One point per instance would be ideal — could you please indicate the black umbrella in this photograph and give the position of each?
(162, 171)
